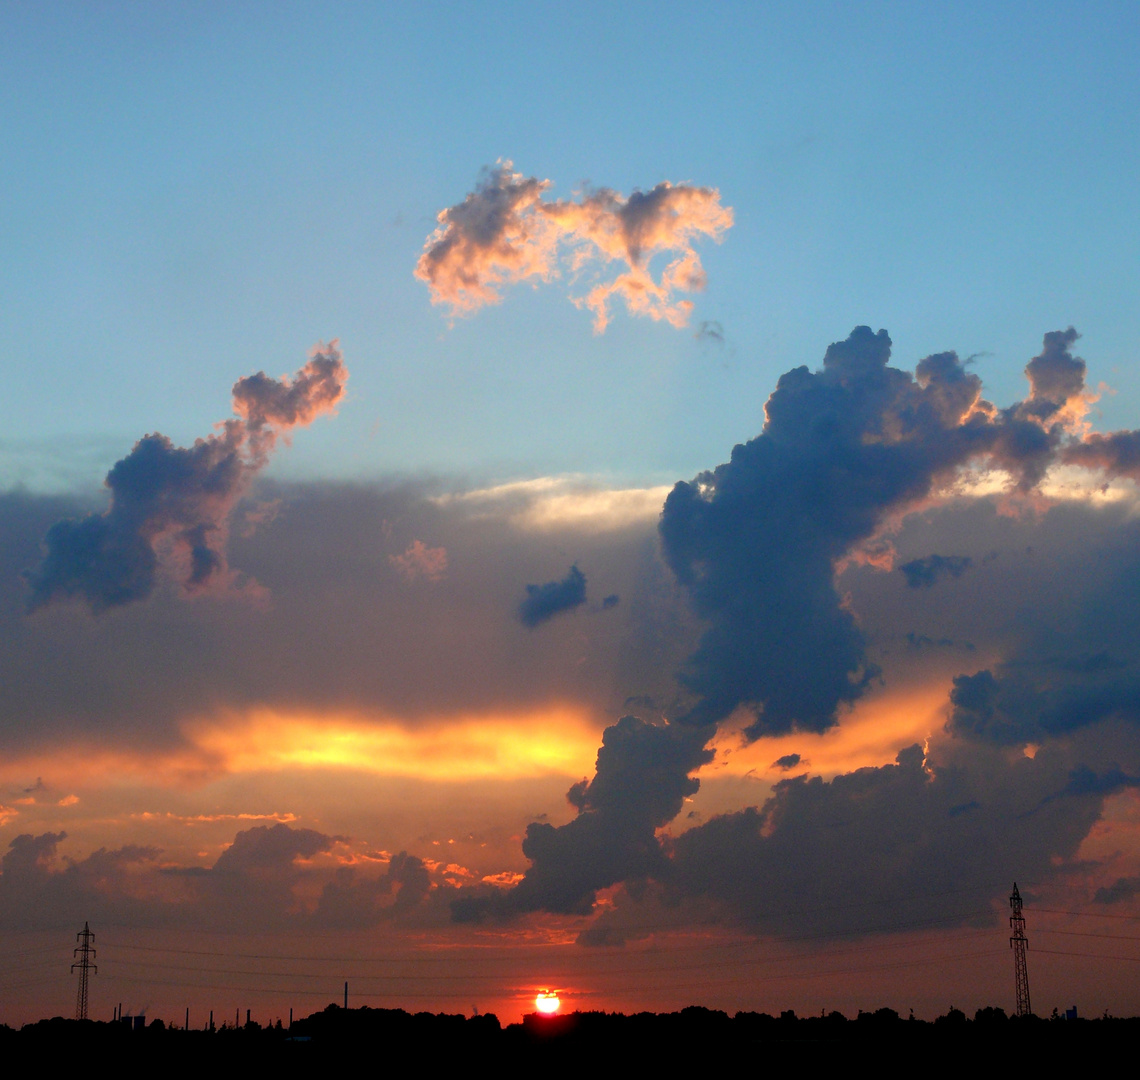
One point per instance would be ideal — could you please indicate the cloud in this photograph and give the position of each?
(402, 656)
(924, 573)
(788, 761)
(710, 330)
(907, 844)
(543, 602)
(846, 452)
(171, 505)
(1056, 377)
(1122, 889)
(354, 901)
(498, 235)
(748, 555)
(35, 891)
(1029, 700)
(641, 780)
(505, 232)
(269, 878)
(420, 561)
(755, 541)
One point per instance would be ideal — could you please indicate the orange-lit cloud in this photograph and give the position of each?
(870, 734)
(504, 232)
(549, 503)
(666, 220)
(211, 819)
(421, 561)
(557, 740)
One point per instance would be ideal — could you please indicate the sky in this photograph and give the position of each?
(638, 502)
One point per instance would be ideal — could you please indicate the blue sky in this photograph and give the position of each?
(195, 192)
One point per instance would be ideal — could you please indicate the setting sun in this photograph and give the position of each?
(547, 1002)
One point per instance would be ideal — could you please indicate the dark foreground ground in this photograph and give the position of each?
(589, 1040)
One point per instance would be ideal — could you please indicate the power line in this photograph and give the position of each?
(1090, 956)
(828, 973)
(1087, 914)
(1085, 933)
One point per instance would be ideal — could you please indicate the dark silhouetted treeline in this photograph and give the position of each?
(578, 1039)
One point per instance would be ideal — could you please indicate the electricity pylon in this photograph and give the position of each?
(85, 952)
(1019, 943)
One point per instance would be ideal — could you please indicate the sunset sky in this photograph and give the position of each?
(639, 502)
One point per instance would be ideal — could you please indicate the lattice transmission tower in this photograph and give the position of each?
(1019, 943)
(85, 956)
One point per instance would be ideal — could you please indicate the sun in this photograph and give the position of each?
(547, 1002)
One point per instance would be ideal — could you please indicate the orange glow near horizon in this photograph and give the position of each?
(554, 740)
(558, 740)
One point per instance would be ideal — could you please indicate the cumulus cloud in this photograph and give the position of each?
(171, 505)
(756, 540)
(543, 602)
(846, 452)
(505, 232)
(1073, 658)
(1029, 700)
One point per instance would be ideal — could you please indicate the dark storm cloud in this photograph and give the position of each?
(882, 849)
(37, 892)
(756, 544)
(640, 783)
(756, 540)
(788, 761)
(1030, 701)
(545, 601)
(172, 504)
(924, 641)
(924, 573)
